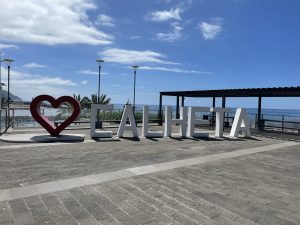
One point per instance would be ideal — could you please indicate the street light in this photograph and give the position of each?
(99, 123)
(1, 84)
(8, 62)
(134, 82)
(99, 61)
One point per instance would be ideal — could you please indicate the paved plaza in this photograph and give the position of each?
(151, 181)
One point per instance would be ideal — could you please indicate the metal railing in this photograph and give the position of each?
(275, 122)
(280, 123)
(24, 119)
(3, 121)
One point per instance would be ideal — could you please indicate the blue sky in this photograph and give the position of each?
(179, 45)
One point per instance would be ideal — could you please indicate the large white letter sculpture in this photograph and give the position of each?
(93, 132)
(192, 121)
(169, 121)
(240, 124)
(128, 114)
(145, 132)
(219, 120)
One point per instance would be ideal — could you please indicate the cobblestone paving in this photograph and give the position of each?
(254, 189)
(24, 166)
(261, 188)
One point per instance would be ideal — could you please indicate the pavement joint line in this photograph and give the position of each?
(66, 184)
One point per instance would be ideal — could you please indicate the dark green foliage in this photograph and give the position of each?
(86, 102)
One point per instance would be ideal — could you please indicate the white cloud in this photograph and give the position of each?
(34, 65)
(57, 81)
(135, 37)
(165, 1)
(105, 20)
(159, 16)
(50, 22)
(174, 70)
(116, 85)
(4, 46)
(171, 37)
(22, 84)
(90, 72)
(123, 56)
(211, 30)
(84, 82)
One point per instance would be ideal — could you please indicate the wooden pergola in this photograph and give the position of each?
(230, 93)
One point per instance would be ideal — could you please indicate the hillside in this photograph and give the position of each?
(12, 96)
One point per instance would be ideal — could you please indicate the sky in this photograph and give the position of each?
(177, 44)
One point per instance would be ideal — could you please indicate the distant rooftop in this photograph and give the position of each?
(243, 92)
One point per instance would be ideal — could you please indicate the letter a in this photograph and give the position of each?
(128, 114)
(240, 124)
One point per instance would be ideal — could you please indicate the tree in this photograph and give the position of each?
(77, 97)
(85, 102)
(102, 99)
(94, 98)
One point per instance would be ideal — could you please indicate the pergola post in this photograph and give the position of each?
(182, 101)
(177, 107)
(212, 121)
(223, 102)
(160, 113)
(226, 123)
(259, 122)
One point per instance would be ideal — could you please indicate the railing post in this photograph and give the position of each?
(255, 123)
(261, 123)
(282, 124)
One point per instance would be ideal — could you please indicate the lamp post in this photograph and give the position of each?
(99, 61)
(135, 67)
(1, 84)
(8, 61)
(98, 122)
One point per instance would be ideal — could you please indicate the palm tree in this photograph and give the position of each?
(102, 99)
(85, 102)
(77, 97)
(94, 98)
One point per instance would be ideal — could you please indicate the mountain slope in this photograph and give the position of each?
(12, 96)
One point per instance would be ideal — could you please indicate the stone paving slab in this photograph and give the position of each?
(261, 188)
(54, 186)
(257, 188)
(27, 164)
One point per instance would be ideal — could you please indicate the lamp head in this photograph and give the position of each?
(135, 67)
(99, 61)
(8, 61)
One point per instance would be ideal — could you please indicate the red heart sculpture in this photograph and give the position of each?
(44, 122)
